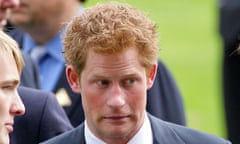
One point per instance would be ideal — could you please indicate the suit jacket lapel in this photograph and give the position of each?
(162, 134)
(77, 136)
(82, 136)
(155, 130)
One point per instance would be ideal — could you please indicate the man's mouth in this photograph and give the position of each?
(9, 127)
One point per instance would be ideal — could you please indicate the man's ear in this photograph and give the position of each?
(73, 79)
(151, 75)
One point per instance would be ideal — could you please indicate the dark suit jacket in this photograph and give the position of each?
(163, 133)
(29, 77)
(164, 99)
(230, 32)
(43, 118)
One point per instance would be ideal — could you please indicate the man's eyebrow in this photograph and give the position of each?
(13, 81)
(97, 75)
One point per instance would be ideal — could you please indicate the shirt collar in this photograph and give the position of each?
(90, 137)
(143, 136)
(54, 47)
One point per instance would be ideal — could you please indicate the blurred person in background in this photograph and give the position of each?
(11, 105)
(11, 67)
(43, 118)
(39, 29)
(230, 33)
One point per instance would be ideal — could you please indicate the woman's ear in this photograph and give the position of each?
(73, 79)
(151, 75)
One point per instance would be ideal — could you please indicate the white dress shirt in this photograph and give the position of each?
(143, 136)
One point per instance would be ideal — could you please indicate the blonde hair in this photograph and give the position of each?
(10, 46)
(110, 27)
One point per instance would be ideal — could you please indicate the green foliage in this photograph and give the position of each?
(192, 50)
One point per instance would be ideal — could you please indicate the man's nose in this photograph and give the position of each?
(116, 97)
(17, 107)
(9, 4)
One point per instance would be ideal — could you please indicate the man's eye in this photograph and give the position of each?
(8, 87)
(130, 81)
(103, 82)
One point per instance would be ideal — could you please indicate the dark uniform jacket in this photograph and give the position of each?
(44, 118)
